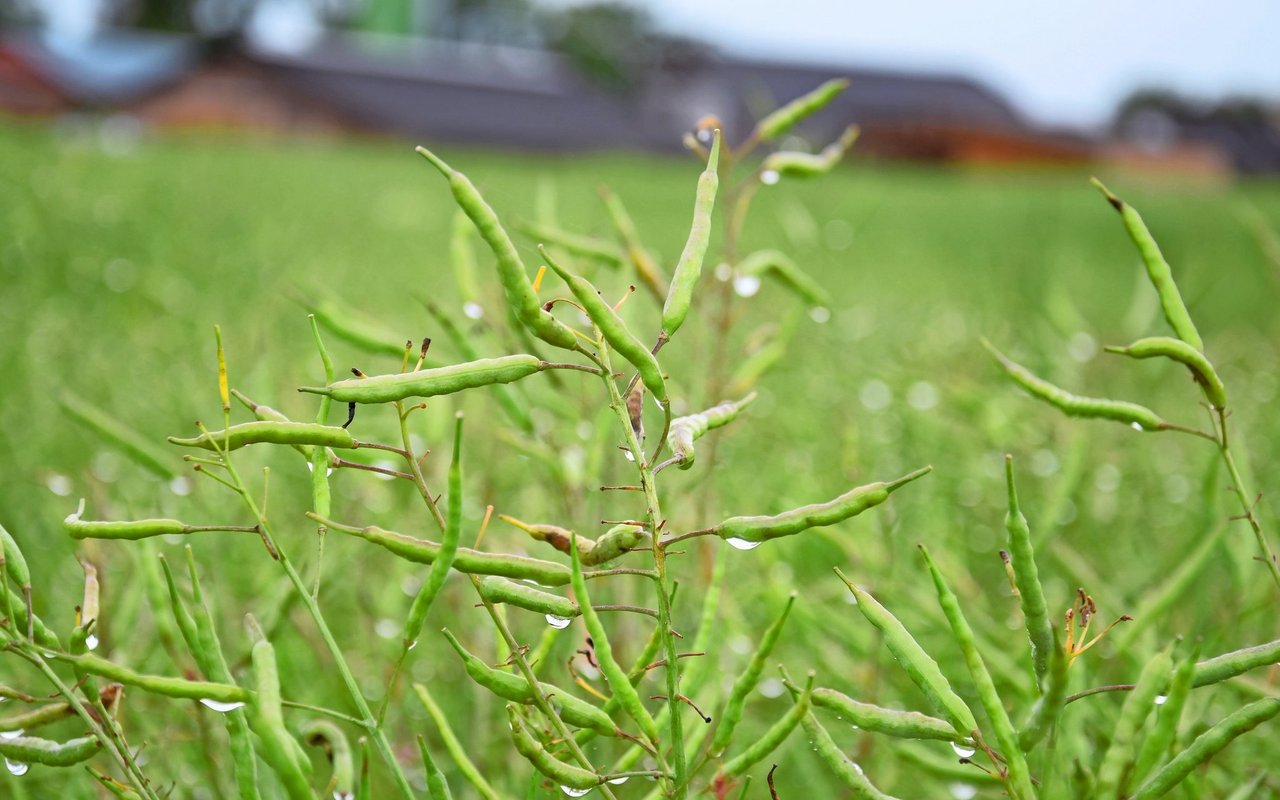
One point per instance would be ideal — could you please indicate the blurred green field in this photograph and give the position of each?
(116, 265)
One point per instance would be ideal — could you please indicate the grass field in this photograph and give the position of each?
(115, 267)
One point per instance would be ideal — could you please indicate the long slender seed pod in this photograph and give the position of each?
(845, 769)
(573, 710)
(512, 407)
(437, 786)
(1020, 786)
(614, 330)
(1206, 746)
(291, 433)
(448, 551)
(355, 329)
(688, 429)
(788, 116)
(431, 382)
(33, 750)
(137, 447)
(324, 733)
(689, 267)
(772, 738)
(266, 718)
(564, 774)
(600, 250)
(1132, 414)
(521, 595)
(475, 562)
(186, 623)
(807, 165)
(456, 751)
(619, 682)
(138, 528)
(15, 564)
(788, 523)
(747, 681)
(1237, 662)
(1159, 742)
(44, 635)
(1158, 270)
(920, 667)
(553, 535)
(1047, 710)
(1187, 355)
(156, 684)
(34, 718)
(779, 266)
(1026, 575)
(511, 270)
(266, 413)
(889, 721)
(647, 269)
(1124, 738)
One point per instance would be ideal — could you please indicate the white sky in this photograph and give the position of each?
(1060, 61)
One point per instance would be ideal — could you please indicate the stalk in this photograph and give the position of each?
(1237, 484)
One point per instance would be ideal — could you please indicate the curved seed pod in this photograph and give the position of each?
(437, 786)
(266, 718)
(787, 117)
(646, 267)
(511, 270)
(1124, 738)
(431, 382)
(1035, 611)
(133, 444)
(325, 734)
(291, 433)
(779, 266)
(266, 413)
(475, 562)
(513, 408)
(1156, 747)
(689, 267)
(1175, 311)
(686, 430)
(613, 543)
(521, 595)
(889, 721)
(575, 244)
(34, 718)
(849, 773)
(1139, 417)
(619, 682)
(1047, 709)
(573, 710)
(456, 750)
(922, 669)
(156, 684)
(31, 750)
(138, 528)
(747, 681)
(769, 741)
(15, 564)
(553, 535)
(23, 622)
(806, 165)
(1182, 352)
(563, 774)
(1206, 746)
(448, 551)
(849, 504)
(1237, 662)
(613, 329)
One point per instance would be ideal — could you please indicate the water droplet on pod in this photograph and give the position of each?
(619, 781)
(219, 706)
(574, 792)
(742, 544)
(962, 750)
(16, 768)
(1161, 699)
(13, 734)
(91, 642)
(559, 623)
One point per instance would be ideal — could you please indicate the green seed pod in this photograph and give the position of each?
(138, 528)
(619, 681)
(1124, 737)
(1206, 746)
(15, 564)
(689, 267)
(806, 165)
(849, 773)
(437, 786)
(787, 117)
(613, 543)
(513, 408)
(323, 733)
(563, 774)
(788, 523)
(780, 267)
(772, 738)
(1237, 662)
(355, 329)
(613, 329)
(22, 623)
(573, 710)
(291, 433)
(575, 244)
(922, 669)
(1156, 747)
(156, 684)
(266, 718)
(431, 382)
(30, 750)
(686, 430)
(1047, 709)
(1019, 780)
(646, 267)
(448, 551)
(1035, 610)
(36, 717)
(511, 270)
(268, 414)
(137, 447)
(554, 535)
(457, 752)
(889, 721)
(1185, 354)
(1139, 417)
(1158, 270)
(747, 681)
(521, 595)
(474, 562)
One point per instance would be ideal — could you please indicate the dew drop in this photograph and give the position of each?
(91, 642)
(746, 285)
(16, 767)
(311, 467)
(628, 455)
(769, 177)
(342, 794)
(328, 472)
(963, 751)
(619, 781)
(1137, 426)
(742, 544)
(473, 310)
(820, 314)
(58, 484)
(1161, 699)
(559, 623)
(963, 791)
(219, 706)
(13, 734)
(412, 645)
(574, 792)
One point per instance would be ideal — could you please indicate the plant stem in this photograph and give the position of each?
(1237, 484)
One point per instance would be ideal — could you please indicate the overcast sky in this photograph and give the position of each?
(1060, 62)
